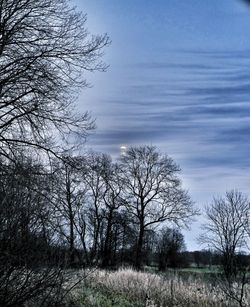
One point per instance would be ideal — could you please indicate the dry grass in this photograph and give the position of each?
(154, 290)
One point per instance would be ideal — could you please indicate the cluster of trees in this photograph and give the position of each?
(59, 208)
(45, 50)
(98, 211)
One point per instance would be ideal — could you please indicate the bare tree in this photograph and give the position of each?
(96, 187)
(227, 220)
(153, 191)
(44, 49)
(67, 199)
(27, 271)
(113, 201)
(103, 183)
(226, 232)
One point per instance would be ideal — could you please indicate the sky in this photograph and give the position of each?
(179, 79)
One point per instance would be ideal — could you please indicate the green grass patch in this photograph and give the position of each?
(201, 270)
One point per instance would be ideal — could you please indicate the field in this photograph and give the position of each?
(128, 288)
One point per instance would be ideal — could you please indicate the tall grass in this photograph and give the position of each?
(154, 290)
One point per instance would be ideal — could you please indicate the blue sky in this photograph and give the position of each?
(179, 79)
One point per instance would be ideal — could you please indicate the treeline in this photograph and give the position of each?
(211, 259)
(59, 209)
(89, 210)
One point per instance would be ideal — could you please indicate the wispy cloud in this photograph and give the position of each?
(203, 106)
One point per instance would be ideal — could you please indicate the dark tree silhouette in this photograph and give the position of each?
(26, 273)
(67, 200)
(153, 191)
(227, 221)
(226, 232)
(170, 243)
(44, 50)
(96, 188)
(113, 202)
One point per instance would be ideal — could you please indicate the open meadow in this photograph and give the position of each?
(129, 288)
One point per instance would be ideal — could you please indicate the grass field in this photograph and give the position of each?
(127, 288)
(201, 270)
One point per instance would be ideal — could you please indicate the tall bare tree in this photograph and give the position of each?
(67, 199)
(226, 231)
(44, 49)
(96, 187)
(153, 191)
(113, 201)
(226, 228)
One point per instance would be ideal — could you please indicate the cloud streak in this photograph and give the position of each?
(190, 104)
(179, 79)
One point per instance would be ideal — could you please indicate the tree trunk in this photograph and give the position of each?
(71, 219)
(106, 259)
(138, 257)
(94, 256)
(71, 242)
